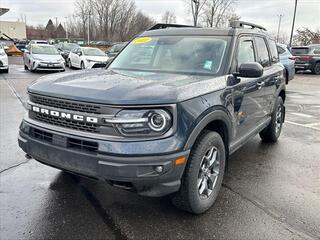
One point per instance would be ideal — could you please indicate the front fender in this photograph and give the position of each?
(212, 114)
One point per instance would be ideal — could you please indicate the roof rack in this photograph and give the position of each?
(241, 24)
(166, 25)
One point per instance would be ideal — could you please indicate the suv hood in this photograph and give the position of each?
(126, 87)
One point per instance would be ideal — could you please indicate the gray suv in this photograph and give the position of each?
(165, 115)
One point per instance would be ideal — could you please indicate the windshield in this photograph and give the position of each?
(69, 46)
(48, 50)
(176, 54)
(93, 52)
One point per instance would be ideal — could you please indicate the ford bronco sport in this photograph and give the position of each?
(165, 115)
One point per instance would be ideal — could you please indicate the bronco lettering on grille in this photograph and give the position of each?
(64, 115)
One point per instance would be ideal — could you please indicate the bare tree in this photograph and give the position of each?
(306, 36)
(196, 7)
(83, 10)
(111, 20)
(168, 17)
(217, 12)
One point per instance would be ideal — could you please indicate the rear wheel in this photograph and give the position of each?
(272, 132)
(25, 67)
(316, 69)
(203, 174)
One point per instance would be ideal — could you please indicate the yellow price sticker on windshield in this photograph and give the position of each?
(142, 40)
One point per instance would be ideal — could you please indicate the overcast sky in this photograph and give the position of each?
(263, 12)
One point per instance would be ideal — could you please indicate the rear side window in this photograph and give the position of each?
(300, 51)
(274, 51)
(281, 50)
(245, 51)
(263, 54)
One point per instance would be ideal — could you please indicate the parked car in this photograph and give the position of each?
(307, 58)
(38, 42)
(166, 124)
(86, 58)
(43, 57)
(287, 60)
(4, 64)
(21, 45)
(115, 49)
(65, 48)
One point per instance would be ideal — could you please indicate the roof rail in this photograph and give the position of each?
(241, 24)
(166, 25)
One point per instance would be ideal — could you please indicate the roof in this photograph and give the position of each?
(192, 31)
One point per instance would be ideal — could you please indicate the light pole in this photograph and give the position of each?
(280, 16)
(66, 26)
(293, 21)
(88, 28)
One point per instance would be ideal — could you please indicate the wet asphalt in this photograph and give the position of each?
(270, 191)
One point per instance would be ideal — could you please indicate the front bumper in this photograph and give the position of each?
(92, 64)
(44, 66)
(84, 156)
(302, 66)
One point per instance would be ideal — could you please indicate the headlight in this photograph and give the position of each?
(89, 60)
(37, 59)
(154, 122)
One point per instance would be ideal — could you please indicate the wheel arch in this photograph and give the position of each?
(218, 121)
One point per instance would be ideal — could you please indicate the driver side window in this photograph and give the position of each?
(245, 51)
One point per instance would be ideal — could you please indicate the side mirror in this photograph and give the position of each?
(250, 70)
(5, 47)
(79, 54)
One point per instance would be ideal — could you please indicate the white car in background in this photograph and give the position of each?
(86, 58)
(4, 65)
(43, 57)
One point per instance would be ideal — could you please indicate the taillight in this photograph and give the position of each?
(306, 57)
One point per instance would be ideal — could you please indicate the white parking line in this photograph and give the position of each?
(301, 115)
(303, 125)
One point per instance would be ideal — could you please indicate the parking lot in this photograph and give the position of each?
(269, 192)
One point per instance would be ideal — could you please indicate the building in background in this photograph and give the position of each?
(10, 29)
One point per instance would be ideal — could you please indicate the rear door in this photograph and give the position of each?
(249, 93)
(268, 57)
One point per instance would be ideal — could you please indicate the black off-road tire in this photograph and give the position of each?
(316, 69)
(188, 197)
(271, 133)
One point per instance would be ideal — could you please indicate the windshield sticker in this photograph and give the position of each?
(207, 65)
(142, 40)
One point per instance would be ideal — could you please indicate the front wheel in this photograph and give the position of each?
(316, 69)
(83, 66)
(272, 132)
(203, 175)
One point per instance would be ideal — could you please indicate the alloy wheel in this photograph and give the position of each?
(279, 119)
(208, 173)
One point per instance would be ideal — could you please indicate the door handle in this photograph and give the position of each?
(261, 84)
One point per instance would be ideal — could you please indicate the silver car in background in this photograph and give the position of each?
(43, 57)
(287, 60)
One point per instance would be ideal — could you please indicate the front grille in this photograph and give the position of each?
(71, 143)
(67, 123)
(66, 104)
(99, 65)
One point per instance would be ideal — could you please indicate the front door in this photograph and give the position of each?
(249, 93)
